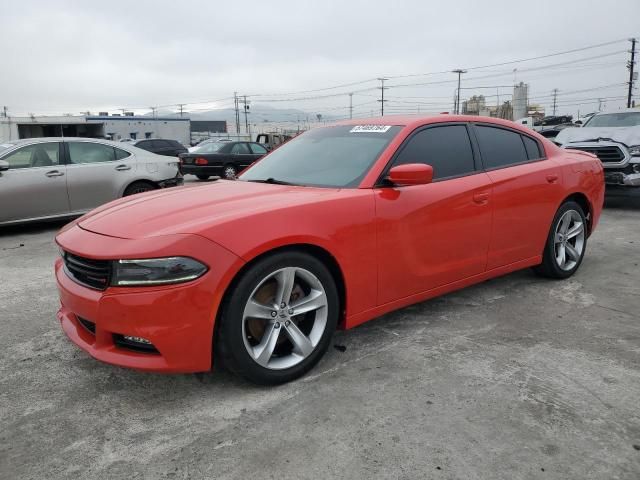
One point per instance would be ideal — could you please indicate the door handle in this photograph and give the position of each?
(552, 178)
(54, 173)
(481, 198)
(122, 168)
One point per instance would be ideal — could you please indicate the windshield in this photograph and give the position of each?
(325, 157)
(627, 119)
(208, 147)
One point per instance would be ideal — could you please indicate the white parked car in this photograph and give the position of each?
(46, 178)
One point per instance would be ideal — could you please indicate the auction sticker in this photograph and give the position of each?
(370, 129)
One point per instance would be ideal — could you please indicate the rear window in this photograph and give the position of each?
(532, 147)
(500, 147)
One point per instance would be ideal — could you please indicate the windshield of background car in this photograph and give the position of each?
(208, 148)
(627, 119)
(337, 156)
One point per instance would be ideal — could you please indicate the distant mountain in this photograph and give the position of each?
(257, 114)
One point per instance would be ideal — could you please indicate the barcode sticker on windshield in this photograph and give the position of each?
(370, 129)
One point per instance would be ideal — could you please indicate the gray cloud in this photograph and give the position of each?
(71, 56)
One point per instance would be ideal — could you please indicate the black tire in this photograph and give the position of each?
(138, 187)
(229, 344)
(230, 172)
(549, 267)
(203, 177)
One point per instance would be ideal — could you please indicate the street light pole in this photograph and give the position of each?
(459, 72)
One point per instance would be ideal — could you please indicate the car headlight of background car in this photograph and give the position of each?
(156, 271)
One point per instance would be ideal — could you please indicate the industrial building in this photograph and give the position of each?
(115, 127)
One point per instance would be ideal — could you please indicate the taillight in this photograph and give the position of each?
(201, 161)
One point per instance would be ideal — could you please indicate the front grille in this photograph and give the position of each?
(610, 154)
(89, 326)
(86, 271)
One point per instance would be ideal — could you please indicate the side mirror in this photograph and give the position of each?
(411, 174)
(4, 166)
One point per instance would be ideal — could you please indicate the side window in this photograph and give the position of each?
(532, 147)
(258, 149)
(86, 152)
(447, 149)
(240, 148)
(120, 154)
(37, 155)
(500, 147)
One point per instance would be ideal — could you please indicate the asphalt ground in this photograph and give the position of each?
(516, 378)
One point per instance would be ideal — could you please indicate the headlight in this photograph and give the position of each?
(634, 151)
(156, 271)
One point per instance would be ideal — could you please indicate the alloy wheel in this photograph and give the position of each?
(229, 172)
(569, 239)
(284, 318)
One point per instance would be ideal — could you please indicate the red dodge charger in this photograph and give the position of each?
(340, 225)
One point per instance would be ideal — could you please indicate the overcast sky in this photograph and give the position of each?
(71, 56)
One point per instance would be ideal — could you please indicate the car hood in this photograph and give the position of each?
(625, 135)
(194, 209)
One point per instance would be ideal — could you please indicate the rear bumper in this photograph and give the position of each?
(201, 169)
(177, 319)
(172, 182)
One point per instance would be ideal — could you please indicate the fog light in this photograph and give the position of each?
(141, 340)
(636, 168)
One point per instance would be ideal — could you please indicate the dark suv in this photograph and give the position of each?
(170, 148)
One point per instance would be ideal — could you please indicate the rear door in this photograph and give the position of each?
(435, 234)
(527, 190)
(241, 155)
(97, 173)
(35, 184)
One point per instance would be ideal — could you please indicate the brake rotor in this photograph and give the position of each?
(266, 295)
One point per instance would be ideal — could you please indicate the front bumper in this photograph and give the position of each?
(177, 319)
(622, 178)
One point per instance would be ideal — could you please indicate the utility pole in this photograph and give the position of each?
(382, 89)
(555, 100)
(153, 111)
(630, 65)
(180, 106)
(236, 107)
(350, 105)
(459, 72)
(4, 111)
(245, 104)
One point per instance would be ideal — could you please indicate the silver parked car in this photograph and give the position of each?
(46, 178)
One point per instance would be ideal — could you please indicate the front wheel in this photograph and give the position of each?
(278, 321)
(566, 243)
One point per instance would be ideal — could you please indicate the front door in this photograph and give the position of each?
(435, 234)
(35, 185)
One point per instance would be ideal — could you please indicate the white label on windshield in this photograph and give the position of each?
(370, 129)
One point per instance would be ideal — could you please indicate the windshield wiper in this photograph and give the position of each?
(273, 181)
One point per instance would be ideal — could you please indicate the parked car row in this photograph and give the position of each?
(46, 178)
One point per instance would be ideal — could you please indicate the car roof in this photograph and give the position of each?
(415, 121)
(60, 139)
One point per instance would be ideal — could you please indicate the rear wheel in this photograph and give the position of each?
(138, 187)
(278, 321)
(202, 177)
(566, 243)
(230, 172)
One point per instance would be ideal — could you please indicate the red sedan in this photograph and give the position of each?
(338, 226)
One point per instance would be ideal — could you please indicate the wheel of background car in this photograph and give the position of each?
(202, 177)
(278, 321)
(230, 172)
(566, 243)
(138, 187)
